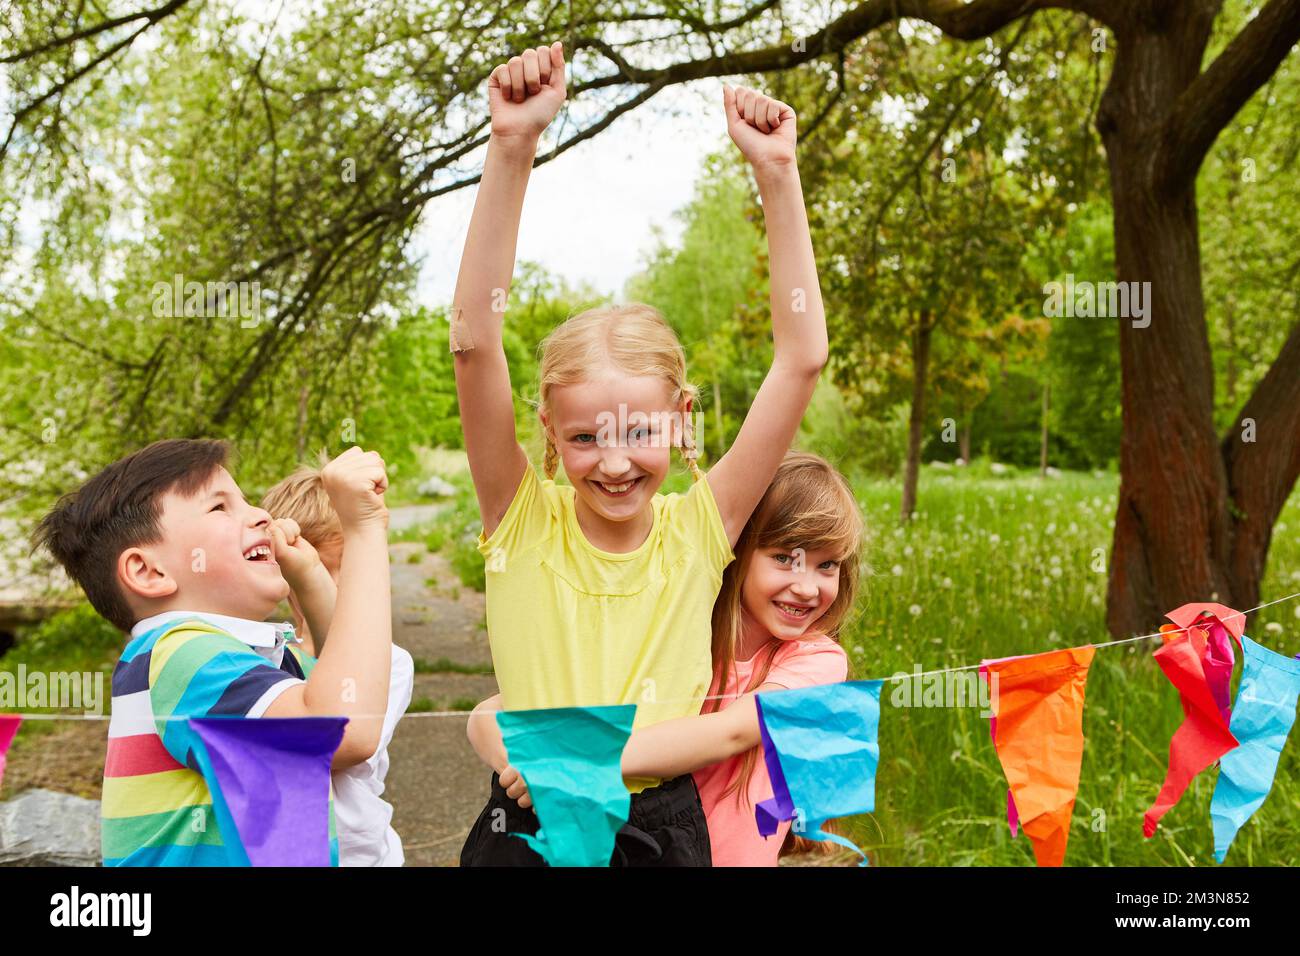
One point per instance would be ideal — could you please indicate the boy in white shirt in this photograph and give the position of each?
(305, 517)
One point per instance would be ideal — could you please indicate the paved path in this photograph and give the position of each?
(435, 783)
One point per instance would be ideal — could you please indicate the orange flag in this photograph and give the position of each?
(1038, 705)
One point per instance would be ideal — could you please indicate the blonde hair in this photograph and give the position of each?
(302, 497)
(808, 505)
(633, 338)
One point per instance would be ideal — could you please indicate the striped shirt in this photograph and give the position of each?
(156, 809)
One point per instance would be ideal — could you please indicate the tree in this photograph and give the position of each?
(388, 75)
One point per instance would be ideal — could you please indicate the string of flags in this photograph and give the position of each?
(270, 777)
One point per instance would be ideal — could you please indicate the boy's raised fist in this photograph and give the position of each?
(356, 482)
(762, 127)
(297, 558)
(526, 92)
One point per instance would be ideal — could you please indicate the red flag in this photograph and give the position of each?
(1203, 737)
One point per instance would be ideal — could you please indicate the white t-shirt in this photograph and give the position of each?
(363, 818)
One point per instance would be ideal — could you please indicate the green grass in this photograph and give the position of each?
(425, 705)
(445, 665)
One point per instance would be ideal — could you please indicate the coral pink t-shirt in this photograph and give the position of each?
(733, 831)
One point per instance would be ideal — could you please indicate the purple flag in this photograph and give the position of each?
(270, 784)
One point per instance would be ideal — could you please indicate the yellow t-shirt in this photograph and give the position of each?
(573, 626)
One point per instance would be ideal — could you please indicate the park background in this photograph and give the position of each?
(1030, 481)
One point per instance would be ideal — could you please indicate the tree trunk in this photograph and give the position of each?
(303, 395)
(1179, 536)
(916, 424)
(1042, 444)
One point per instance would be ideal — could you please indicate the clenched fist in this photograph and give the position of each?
(763, 128)
(298, 560)
(355, 482)
(526, 92)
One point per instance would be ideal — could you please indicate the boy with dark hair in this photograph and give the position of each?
(167, 548)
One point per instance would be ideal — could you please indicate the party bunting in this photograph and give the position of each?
(1261, 720)
(1186, 657)
(8, 729)
(821, 748)
(270, 784)
(571, 757)
(1038, 704)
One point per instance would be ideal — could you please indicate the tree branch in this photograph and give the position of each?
(1213, 98)
(153, 16)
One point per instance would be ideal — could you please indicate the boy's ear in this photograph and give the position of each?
(142, 576)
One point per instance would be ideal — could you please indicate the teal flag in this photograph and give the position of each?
(821, 748)
(1261, 719)
(571, 759)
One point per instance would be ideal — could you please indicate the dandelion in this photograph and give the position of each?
(1056, 572)
(915, 611)
(947, 583)
(994, 538)
(896, 570)
(1273, 627)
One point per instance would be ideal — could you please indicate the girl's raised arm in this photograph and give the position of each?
(524, 95)
(764, 129)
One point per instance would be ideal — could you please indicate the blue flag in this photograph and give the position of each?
(1261, 719)
(821, 748)
(571, 759)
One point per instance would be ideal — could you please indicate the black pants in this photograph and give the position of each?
(665, 827)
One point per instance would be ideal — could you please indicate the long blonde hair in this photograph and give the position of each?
(633, 338)
(808, 505)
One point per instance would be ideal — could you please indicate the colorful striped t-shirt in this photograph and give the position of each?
(157, 809)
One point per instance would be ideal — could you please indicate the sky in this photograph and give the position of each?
(588, 214)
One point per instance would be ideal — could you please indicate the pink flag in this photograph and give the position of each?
(8, 728)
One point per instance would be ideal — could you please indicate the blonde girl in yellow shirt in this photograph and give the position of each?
(602, 591)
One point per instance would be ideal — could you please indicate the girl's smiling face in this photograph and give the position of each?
(786, 590)
(615, 435)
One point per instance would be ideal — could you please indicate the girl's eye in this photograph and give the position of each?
(781, 558)
(582, 439)
(217, 507)
(828, 565)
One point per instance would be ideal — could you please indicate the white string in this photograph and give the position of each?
(683, 700)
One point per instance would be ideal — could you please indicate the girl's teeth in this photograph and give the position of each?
(796, 611)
